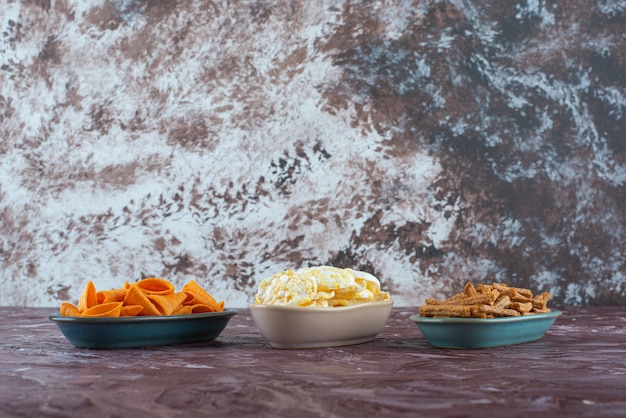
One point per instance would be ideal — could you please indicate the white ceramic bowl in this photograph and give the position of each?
(298, 327)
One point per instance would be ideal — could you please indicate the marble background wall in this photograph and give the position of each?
(427, 142)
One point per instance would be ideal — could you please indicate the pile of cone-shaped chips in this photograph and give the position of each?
(147, 297)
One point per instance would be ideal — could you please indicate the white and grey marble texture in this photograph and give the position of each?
(427, 142)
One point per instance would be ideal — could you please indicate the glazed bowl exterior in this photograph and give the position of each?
(312, 327)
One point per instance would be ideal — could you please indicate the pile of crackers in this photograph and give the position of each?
(487, 301)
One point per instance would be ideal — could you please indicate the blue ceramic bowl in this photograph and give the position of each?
(484, 333)
(142, 331)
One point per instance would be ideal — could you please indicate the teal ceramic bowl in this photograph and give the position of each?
(484, 333)
(142, 331)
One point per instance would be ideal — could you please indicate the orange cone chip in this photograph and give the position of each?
(88, 298)
(202, 308)
(195, 309)
(113, 295)
(197, 295)
(111, 309)
(68, 309)
(131, 310)
(136, 297)
(150, 296)
(183, 310)
(155, 286)
(166, 304)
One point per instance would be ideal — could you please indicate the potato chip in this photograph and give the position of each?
(287, 287)
(321, 286)
(331, 278)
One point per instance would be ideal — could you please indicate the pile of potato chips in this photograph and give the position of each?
(487, 301)
(322, 286)
(150, 296)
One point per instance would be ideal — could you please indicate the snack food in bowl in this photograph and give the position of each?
(322, 286)
(151, 296)
(320, 306)
(488, 315)
(147, 313)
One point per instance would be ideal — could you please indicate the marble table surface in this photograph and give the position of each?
(577, 369)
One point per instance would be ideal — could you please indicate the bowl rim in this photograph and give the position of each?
(143, 319)
(294, 308)
(505, 319)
